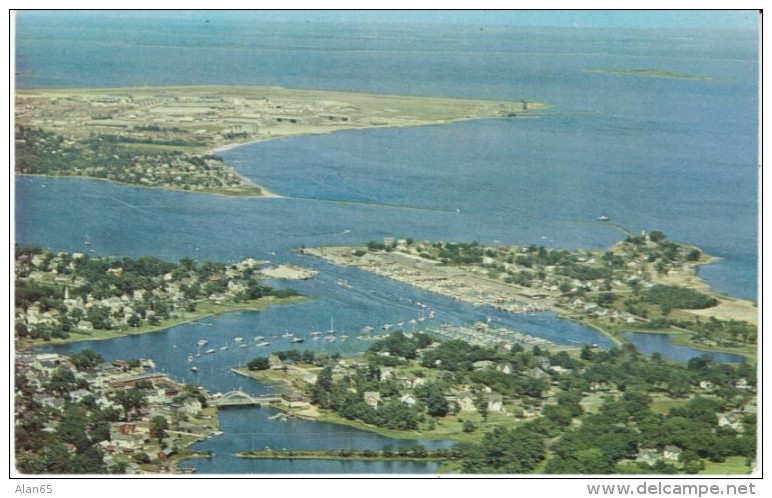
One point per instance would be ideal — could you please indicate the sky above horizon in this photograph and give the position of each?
(730, 19)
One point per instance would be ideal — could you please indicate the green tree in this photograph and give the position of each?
(72, 429)
(433, 396)
(62, 381)
(99, 316)
(86, 359)
(158, 427)
(516, 451)
(657, 236)
(322, 388)
(308, 356)
(130, 399)
(134, 320)
(259, 363)
(587, 352)
(481, 403)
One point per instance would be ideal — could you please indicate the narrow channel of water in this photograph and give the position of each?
(649, 343)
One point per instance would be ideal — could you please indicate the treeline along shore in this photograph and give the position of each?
(414, 453)
(645, 282)
(514, 409)
(63, 296)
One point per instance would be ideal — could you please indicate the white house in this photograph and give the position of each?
(372, 398)
(408, 399)
(671, 453)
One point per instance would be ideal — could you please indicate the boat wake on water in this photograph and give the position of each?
(372, 203)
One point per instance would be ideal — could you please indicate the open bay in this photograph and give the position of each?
(652, 153)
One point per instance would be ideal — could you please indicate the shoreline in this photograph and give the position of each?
(315, 414)
(464, 285)
(107, 335)
(344, 454)
(209, 119)
(265, 193)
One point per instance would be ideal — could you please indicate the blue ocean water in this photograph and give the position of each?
(670, 154)
(674, 155)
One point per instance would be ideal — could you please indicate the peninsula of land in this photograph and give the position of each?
(69, 297)
(647, 73)
(517, 409)
(644, 282)
(168, 137)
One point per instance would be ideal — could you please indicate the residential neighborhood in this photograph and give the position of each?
(167, 137)
(63, 294)
(80, 414)
(644, 281)
(648, 415)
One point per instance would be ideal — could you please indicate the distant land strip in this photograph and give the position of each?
(648, 73)
(169, 137)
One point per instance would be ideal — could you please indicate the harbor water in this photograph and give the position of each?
(669, 154)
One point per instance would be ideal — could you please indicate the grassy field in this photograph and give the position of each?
(733, 466)
(663, 404)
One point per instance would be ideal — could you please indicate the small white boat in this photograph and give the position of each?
(367, 328)
(287, 335)
(223, 348)
(297, 339)
(194, 369)
(330, 338)
(603, 217)
(259, 338)
(209, 351)
(238, 339)
(243, 345)
(202, 342)
(190, 357)
(264, 343)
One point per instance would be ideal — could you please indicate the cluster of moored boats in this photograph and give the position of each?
(329, 335)
(240, 342)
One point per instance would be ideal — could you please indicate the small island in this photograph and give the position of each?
(168, 137)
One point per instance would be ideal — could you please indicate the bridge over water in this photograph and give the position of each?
(237, 397)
